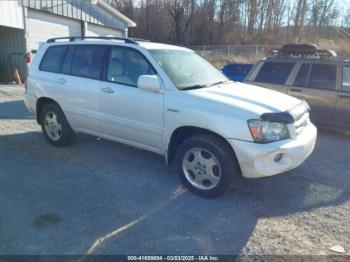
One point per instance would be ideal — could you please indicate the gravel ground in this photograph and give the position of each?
(101, 197)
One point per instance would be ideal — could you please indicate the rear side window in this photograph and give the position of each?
(67, 61)
(302, 75)
(346, 79)
(52, 59)
(274, 73)
(88, 61)
(320, 76)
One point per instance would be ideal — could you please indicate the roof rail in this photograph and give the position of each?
(139, 39)
(301, 50)
(73, 38)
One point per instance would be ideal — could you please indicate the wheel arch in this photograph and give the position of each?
(180, 134)
(41, 102)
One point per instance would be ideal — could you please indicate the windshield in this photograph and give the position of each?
(187, 70)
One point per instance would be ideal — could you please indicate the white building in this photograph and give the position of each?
(26, 23)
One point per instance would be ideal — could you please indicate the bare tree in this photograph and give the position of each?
(299, 19)
(199, 22)
(252, 15)
(182, 13)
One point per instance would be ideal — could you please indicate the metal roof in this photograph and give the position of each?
(122, 17)
(99, 12)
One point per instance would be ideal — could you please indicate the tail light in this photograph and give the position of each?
(28, 58)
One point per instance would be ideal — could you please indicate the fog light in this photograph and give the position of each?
(278, 157)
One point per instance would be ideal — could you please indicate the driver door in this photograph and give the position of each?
(129, 114)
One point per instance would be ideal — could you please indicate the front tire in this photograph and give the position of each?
(55, 126)
(207, 165)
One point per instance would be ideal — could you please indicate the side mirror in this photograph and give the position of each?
(149, 83)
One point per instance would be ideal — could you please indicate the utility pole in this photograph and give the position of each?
(83, 23)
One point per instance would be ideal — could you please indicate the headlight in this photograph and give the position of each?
(266, 132)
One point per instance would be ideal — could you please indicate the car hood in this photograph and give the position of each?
(250, 98)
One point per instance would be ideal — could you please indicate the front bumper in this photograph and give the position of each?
(258, 160)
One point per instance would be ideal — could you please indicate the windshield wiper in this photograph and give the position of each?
(218, 83)
(193, 87)
(202, 86)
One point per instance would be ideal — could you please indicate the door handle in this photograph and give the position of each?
(296, 90)
(107, 90)
(62, 81)
(344, 96)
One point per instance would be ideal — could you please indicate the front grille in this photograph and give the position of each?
(301, 122)
(301, 117)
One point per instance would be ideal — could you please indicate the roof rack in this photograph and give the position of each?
(301, 50)
(73, 38)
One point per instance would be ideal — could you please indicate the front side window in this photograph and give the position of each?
(274, 73)
(346, 79)
(88, 61)
(186, 69)
(126, 65)
(52, 59)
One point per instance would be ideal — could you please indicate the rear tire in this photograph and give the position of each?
(55, 126)
(206, 165)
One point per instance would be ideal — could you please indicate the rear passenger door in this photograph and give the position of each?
(77, 87)
(316, 83)
(274, 75)
(341, 115)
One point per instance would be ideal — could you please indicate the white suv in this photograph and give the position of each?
(168, 100)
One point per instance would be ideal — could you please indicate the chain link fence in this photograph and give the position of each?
(220, 55)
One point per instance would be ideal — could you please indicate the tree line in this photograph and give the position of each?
(215, 22)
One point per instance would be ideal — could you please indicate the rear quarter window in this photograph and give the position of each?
(346, 79)
(52, 59)
(274, 72)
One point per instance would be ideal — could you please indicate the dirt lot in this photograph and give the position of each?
(101, 197)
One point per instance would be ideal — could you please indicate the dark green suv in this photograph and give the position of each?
(306, 72)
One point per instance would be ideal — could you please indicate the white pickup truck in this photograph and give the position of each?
(168, 100)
